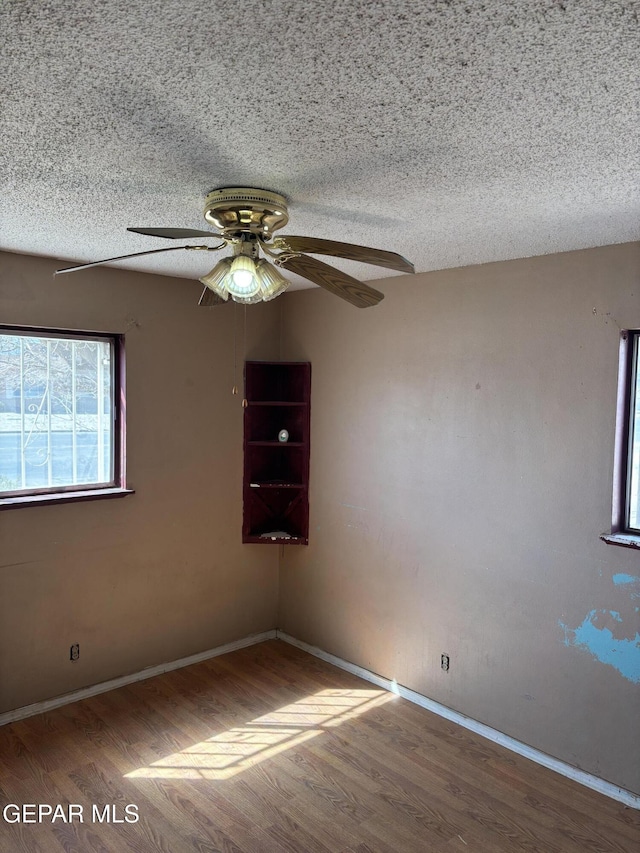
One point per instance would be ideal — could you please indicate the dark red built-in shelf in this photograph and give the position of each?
(276, 473)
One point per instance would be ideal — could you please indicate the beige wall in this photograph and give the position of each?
(160, 574)
(462, 441)
(462, 444)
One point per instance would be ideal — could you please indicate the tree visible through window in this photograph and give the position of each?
(57, 412)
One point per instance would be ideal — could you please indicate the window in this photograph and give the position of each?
(61, 425)
(625, 529)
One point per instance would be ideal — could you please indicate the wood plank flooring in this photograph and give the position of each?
(270, 750)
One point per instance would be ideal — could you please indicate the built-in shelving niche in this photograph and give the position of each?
(276, 473)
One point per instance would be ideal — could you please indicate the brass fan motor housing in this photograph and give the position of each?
(235, 210)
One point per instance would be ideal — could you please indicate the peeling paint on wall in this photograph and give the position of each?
(609, 636)
(628, 580)
(602, 634)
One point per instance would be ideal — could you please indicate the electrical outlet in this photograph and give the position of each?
(74, 651)
(444, 662)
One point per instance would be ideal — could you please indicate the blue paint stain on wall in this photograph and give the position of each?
(622, 654)
(624, 579)
(628, 580)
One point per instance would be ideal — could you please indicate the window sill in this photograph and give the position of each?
(17, 501)
(625, 540)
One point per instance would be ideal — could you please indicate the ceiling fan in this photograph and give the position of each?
(246, 219)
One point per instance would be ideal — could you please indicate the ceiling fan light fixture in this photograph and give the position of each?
(245, 218)
(245, 281)
(272, 282)
(216, 279)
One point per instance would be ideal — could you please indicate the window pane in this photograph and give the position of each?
(56, 412)
(634, 445)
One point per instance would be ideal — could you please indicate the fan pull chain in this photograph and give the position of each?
(234, 390)
(244, 341)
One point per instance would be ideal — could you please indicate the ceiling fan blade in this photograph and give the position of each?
(378, 257)
(173, 233)
(119, 258)
(333, 280)
(209, 299)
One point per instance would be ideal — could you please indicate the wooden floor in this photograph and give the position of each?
(269, 749)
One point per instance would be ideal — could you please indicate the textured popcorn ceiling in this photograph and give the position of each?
(451, 132)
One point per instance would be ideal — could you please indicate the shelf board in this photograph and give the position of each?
(275, 443)
(278, 540)
(275, 403)
(272, 485)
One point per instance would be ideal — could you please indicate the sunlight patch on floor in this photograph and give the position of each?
(230, 752)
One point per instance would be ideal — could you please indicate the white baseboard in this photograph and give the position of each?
(586, 779)
(114, 683)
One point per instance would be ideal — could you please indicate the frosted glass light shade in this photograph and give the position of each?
(242, 280)
(272, 282)
(247, 300)
(215, 280)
